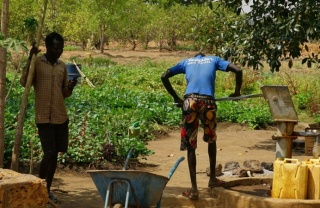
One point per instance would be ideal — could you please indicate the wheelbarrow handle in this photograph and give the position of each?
(175, 167)
(128, 158)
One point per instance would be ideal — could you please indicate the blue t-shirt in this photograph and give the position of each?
(200, 73)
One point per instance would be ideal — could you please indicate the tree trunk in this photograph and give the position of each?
(160, 44)
(101, 39)
(23, 107)
(3, 65)
(134, 45)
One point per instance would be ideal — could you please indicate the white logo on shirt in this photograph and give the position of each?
(204, 60)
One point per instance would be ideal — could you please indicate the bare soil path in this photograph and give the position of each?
(235, 143)
(131, 57)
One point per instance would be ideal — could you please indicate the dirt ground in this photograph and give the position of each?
(235, 143)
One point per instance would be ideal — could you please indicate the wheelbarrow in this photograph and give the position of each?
(131, 187)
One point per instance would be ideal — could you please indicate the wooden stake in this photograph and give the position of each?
(21, 116)
(83, 75)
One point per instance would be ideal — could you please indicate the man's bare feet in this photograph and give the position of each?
(194, 195)
(216, 183)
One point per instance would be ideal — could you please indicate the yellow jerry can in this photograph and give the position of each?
(290, 179)
(313, 189)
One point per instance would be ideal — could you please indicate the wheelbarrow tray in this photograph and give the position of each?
(147, 187)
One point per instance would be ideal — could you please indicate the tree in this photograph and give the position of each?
(81, 27)
(178, 22)
(3, 65)
(277, 29)
(27, 10)
(133, 23)
(103, 13)
(213, 28)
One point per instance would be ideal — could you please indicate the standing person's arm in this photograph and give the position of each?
(167, 84)
(68, 85)
(238, 72)
(33, 51)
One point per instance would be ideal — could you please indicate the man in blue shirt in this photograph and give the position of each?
(199, 103)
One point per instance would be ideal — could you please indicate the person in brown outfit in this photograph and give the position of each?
(51, 87)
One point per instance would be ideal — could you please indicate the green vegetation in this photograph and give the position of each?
(273, 34)
(125, 94)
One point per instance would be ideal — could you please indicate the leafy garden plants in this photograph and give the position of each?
(100, 117)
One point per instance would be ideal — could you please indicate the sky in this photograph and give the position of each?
(246, 7)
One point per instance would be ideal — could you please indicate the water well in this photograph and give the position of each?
(285, 117)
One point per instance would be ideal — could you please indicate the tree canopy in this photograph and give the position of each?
(275, 29)
(270, 31)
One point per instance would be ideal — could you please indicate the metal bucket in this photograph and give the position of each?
(73, 73)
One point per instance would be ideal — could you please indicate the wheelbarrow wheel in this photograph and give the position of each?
(118, 206)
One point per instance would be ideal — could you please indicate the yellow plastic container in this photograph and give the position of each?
(290, 179)
(313, 189)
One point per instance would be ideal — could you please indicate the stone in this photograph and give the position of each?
(236, 171)
(242, 172)
(22, 190)
(218, 170)
(229, 166)
(267, 166)
(253, 165)
(246, 173)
